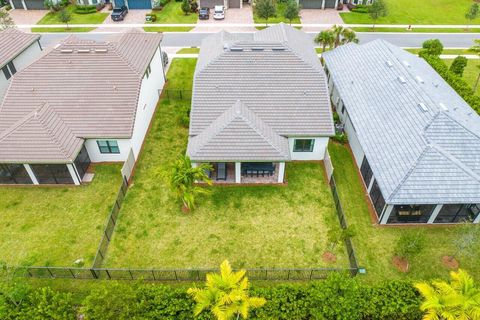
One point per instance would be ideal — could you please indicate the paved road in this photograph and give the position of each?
(190, 39)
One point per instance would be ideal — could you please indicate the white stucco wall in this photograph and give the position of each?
(147, 101)
(353, 141)
(21, 61)
(318, 149)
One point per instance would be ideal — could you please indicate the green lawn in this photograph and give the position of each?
(172, 13)
(470, 74)
(188, 51)
(278, 18)
(417, 12)
(167, 29)
(445, 51)
(56, 225)
(374, 245)
(90, 18)
(252, 226)
(47, 30)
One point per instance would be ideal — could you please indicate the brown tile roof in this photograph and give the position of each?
(13, 43)
(81, 89)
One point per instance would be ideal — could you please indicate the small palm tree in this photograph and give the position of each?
(184, 177)
(459, 299)
(325, 38)
(349, 36)
(225, 294)
(337, 33)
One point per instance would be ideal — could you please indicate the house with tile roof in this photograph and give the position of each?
(83, 102)
(17, 51)
(258, 102)
(415, 140)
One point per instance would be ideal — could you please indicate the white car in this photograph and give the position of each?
(219, 13)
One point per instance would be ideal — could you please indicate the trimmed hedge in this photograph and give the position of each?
(338, 297)
(86, 9)
(455, 81)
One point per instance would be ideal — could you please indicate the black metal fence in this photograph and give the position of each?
(177, 94)
(110, 225)
(172, 274)
(343, 223)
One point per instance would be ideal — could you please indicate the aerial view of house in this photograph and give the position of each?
(257, 104)
(17, 51)
(83, 102)
(415, 140)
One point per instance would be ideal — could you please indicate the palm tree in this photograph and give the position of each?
(459, 299)
(349, 36)
(225, 294)
(325, 38)
(184, 177)
(343, 35)
(337, 33)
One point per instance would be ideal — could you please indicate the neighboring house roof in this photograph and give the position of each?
(277, 77)
(13, 43)
(81, 89)
(421, 139)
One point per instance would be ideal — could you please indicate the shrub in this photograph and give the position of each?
(432, 47)
(163, 3)
(410, 244)
(458, 65)
(85, 9)
(340, 137)
(184, 116)
(360, 8)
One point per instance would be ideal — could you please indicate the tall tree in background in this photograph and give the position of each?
(325, 38)
(225, 294)
(471, 14)
(377, 10)
(291, 11)
(265, 9)
(454, 300)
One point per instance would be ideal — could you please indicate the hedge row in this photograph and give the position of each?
(86, 9)
(337, 298)
(454, 80)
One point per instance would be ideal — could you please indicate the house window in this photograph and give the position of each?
(52, 173)
(148, 71)
(108, 146)
(411, 213)
(14, 174)
(9, 70)
(303, 145)
(377, 198)
(366, 172)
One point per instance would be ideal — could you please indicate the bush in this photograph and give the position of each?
(184, 116)
(410, 244)
(84, 9)
(151, 17)
(432, 47)
(360, 8)
(340, 137)
(458, 65)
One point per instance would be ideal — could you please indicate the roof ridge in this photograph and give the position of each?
(461, 124)
(456, 162)
(17, 124)
(115, 49)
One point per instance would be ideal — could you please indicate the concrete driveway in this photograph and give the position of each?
(133, 16)
(319, 16)
(21, 16)
(234, 15)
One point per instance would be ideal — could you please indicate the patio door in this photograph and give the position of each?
(82, 162)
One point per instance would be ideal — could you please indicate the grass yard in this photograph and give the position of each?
(54, 226)
(90, 18)
(470, 74)
(374, 245)
(189, 51)
(278, 18)
(47, 30)
(445, 51)
(417, 12)
(172, 13)
(259, 226)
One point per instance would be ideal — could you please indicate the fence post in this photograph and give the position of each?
(176, 278)
(51, 274)
(153, 274)
(181, 97)
(94, 274)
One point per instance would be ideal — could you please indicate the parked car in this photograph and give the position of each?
(219, 13)
(119, 13)
(204, 13)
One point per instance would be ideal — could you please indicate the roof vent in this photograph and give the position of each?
(406, 64)
(83, 50)
(443, 107)
(257, 49)
(422, 106)
(402, 79)
(389, 63)
(66, 51)
(101, 50)
(236, 49)
(419, 79)
(278, 48)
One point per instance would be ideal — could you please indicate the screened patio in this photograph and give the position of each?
(247, 172)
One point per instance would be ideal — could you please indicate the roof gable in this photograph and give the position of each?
(13, 43)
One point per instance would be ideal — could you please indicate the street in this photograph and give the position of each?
(191, 39)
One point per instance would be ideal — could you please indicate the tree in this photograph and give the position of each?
(336, 235)
(291, 11)
(471, 14)
(324, 39)
(225, 294)
(65, 16)
(343, 35)
(265, 9)
(186, 7)
(458, 299)
(432, 47)
(5, 20)
(376, 10)
(349, 36)
(476, 49)
(409, 245)
(458, 65)
(183, 180)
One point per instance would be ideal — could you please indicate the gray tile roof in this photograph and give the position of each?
(13, 42)
(420, 137)
(241, 133)
(275, 74)
(81, 89)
